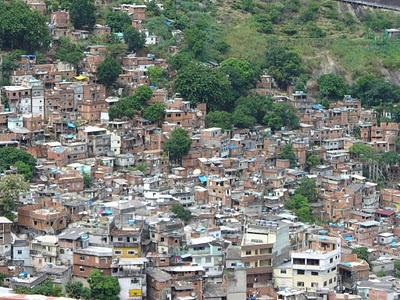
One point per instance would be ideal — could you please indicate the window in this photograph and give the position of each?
(314, 273)
(314, 284)
(313, 262)
(208, 259)
(248, 252)
(131, 252)
(117, 252)
(81, 269)
(134, 280)
(330, 280)
(283, 271)
(299, 261)
(247, 264)
(19, 251)
(331, 260)
(81, 257)
(300, 272)
(325, 283)
(300, 283)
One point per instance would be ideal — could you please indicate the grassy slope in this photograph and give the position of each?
(350, 50)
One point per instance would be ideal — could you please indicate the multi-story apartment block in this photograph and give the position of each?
(312, 267)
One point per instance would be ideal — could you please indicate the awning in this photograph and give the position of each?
(80, 77)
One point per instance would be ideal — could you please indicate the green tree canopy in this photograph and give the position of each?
(196, 40)
(374, 91)
(284, 65)
(87, 180)
(118, 21)
(332, 87)
(103, 287)
(178, 144)
(157, 75)
(362, 253)
(281, 115)
(301, 207)
(69, 52)
(24, 169)
(21, 27)
(126, 107)
(83, 14)
(23, 161)
(181, 212)
(108, 71)
(288, 153)
(200, 84)
(312, 161)
(308, 189)
(155, 112)
(143, 93)
(220, 119)
(75, 289)
(10, 188)
(241, 74)
(134, 39)
(362, 151)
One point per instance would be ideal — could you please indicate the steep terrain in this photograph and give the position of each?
(330, 36)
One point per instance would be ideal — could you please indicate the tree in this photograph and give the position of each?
(118, 21)
(240, 73)
(362, 151)
(156, 75)
(87, 180)
(362, 253)
(312, 161)
(21, 27)
(69, 52)
(108, 71)
(308, 189)
(76, 290)
(284, 65)
(243, 119)
(288, 153)
(220, 119)
(155, 112)
(281, 115)
(2, 277)
(126, 107)
(332, 87)
(301, 207)
(143, 94)
(10, 188)
(182, 213)
(103, 287)
(24, 169)
(10, 156)
(134, 39)
(83, 14)
(374, 91)
(200, 84)
(178, 144)
(196, 40)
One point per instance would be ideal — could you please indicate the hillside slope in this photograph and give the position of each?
(330, 36)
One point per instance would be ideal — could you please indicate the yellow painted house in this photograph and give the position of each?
(126, 242)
